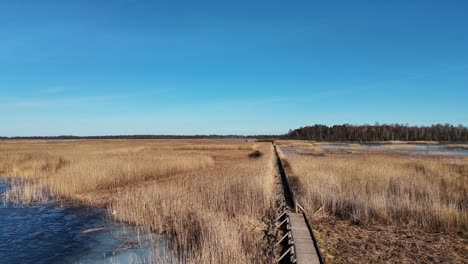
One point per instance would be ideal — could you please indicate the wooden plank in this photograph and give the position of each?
(305, 249)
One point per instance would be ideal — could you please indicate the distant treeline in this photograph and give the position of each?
(68, 137)
(346, 132)
(386, 132)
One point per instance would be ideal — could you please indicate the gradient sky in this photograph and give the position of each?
(229, 67)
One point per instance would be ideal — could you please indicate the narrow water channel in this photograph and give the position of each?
(369, 147)
(52, 233)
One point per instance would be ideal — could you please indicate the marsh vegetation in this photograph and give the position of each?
(207, 197)
(214, 200)
(412, 194)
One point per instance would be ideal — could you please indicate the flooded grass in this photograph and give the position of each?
(297, 148)
(208, 198)
(56, 232)
(213, 200)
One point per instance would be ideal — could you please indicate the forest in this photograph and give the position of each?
(377, 132)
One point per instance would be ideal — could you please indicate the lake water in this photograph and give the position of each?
(54, 234)
(343, 147)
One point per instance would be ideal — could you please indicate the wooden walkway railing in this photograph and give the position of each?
(298, 242)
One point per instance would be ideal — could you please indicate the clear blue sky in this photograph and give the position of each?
(229, 67)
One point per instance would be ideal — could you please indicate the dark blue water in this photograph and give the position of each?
(54, 234)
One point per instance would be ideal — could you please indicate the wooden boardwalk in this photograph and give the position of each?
(301, 246)
(304, 244)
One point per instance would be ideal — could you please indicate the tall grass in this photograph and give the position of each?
(212, 217)
(212, 205)
(73, 174)
(110, 172)
(384, 189)
(27, 192)
(217, 147)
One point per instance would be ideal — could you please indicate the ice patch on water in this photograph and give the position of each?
(50, 233)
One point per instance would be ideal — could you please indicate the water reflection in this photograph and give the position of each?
(54, 234)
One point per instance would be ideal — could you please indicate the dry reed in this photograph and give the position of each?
(384, 189)
(212, 205)
(214, 216)
(380, 207)
(217, 147)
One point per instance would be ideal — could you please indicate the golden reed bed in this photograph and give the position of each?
(216, 205)
(207, 197)
(384, 207)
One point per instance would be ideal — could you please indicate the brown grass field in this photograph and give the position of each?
(384, 207)
(215, 204)
(210, 199)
